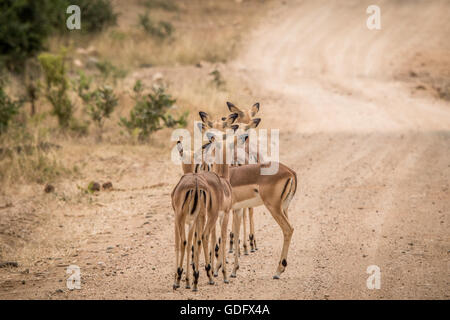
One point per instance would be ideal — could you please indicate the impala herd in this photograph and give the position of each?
(225, 180)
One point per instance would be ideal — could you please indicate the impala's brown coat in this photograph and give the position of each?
(251, 189)
(215, 196)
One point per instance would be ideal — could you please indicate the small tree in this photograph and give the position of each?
(149, 113)
(57, 86)
(103, 104)
(100, 103)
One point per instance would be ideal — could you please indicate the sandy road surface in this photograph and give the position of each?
(372, 158)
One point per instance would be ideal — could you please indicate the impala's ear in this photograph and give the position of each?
(254, 109)
(180, 148)
(232, 117)
(233, 108)
(253, 124)
(204, 116)
(234, 127)
(230, 120)
(206, 119)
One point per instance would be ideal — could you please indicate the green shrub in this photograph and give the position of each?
(104, 101)
(24, 27)
(8, 109)
(57, 86)
(149, 113)
(83, 85)
(160, 30)
(100, 103)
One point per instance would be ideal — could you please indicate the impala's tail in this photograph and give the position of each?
(290, 188)
(194, 199)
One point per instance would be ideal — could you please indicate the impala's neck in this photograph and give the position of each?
(220, 166)
(189, 166)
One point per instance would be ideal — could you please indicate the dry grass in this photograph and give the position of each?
(28, 156)
(204, 31)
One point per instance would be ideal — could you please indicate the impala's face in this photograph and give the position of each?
(222, 124)
(216, 150)
(223, 146)
(227, 135)
(241, 129)
(244, 116)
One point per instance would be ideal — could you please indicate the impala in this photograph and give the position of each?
(252, 189)
(209, 197)
(244, 117)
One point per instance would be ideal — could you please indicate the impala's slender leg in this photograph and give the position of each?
(198, 226)
(283, 222)
(205, 239)
(237, 215)
(182, 234)
(232, 237)
(218, 245)
(212, 254)
(221, 260)
(252, 231)
(177, 255)
(192, 227)
(245, 230)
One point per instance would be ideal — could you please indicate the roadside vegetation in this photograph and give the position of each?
(112, 82)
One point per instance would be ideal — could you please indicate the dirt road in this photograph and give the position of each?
(372, 155)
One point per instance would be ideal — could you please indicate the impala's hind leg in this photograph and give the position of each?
(177, 256)
(244, 219)
(218, 245)
(232, 237)
(198, 226)
(182, 245)
(221, 261)
(212, 218)
(237, 216)
(212, 254)
(252, 231)
(188, 254)
(283, 222)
